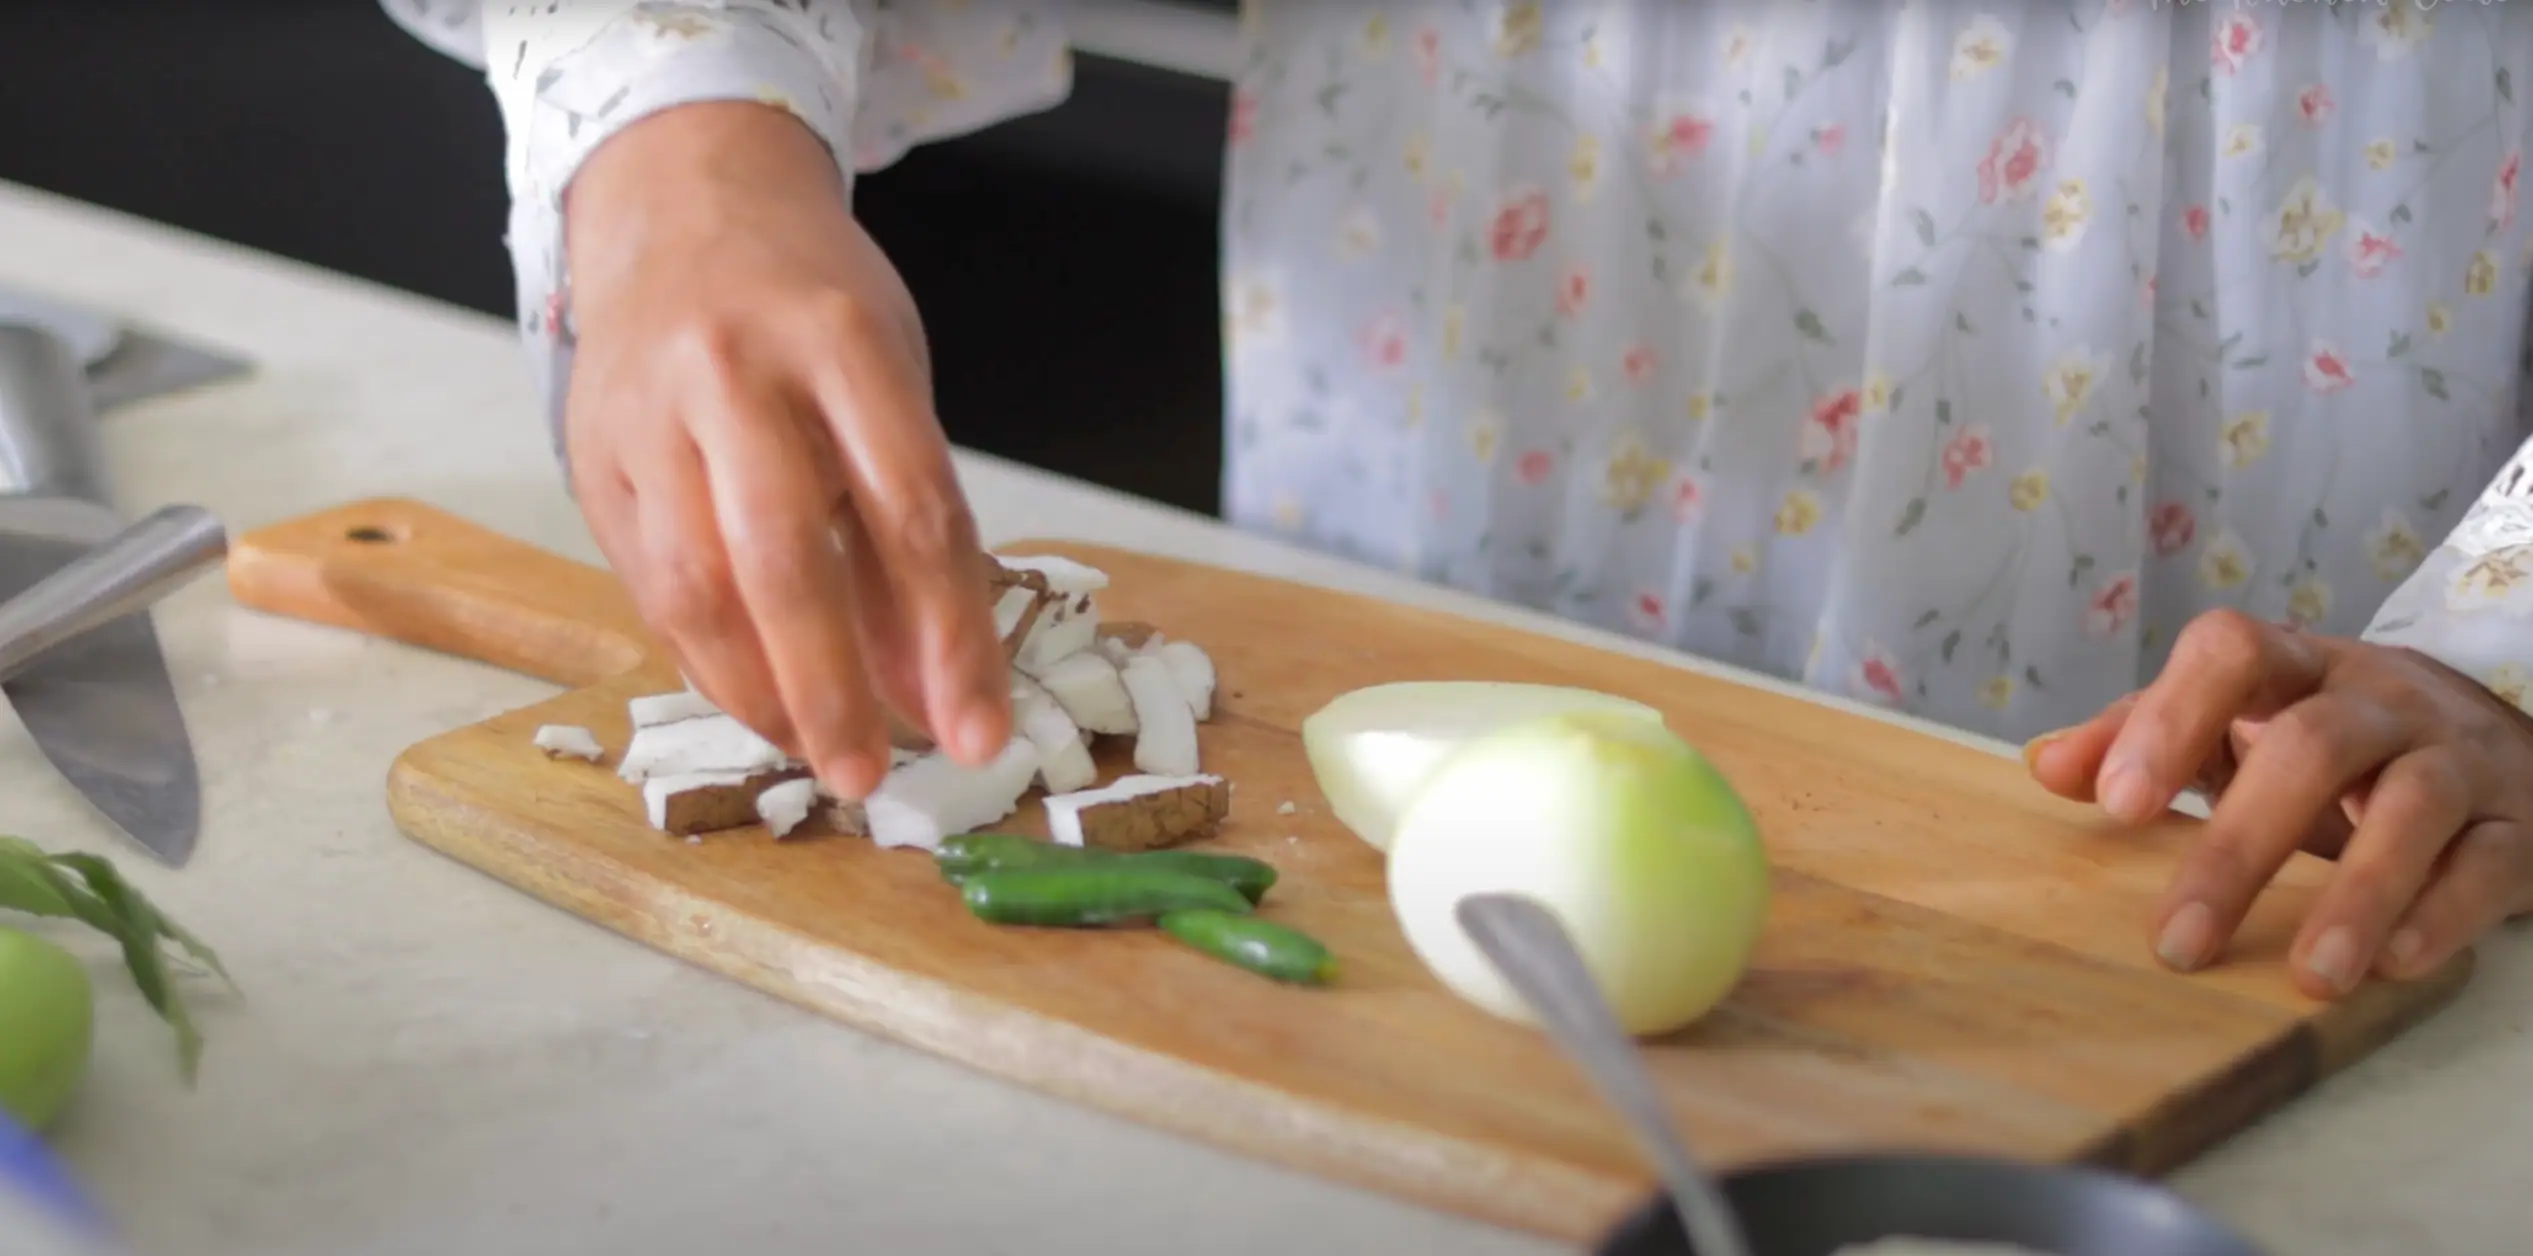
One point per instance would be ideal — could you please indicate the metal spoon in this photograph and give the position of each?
(1528, 946)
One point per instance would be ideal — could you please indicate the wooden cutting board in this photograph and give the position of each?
(1953, 959)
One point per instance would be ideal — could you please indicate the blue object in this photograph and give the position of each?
(43, 1211)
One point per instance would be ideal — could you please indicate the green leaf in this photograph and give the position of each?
(1910, 517)
(138, 927)
(1908, 278)
(2257, 359)
(2401, 212)
(1793, 82)
(2198, 308)
(1925, 226)
(43, 884)
(24, 887)
(2065, 88)
(2506, 85)
(1896, 394)
(2031, 244)
(2433, 380)
(1943, 410)
(1962, 321)
(2305, 270)
(1925, 619)
(1952, 642)
(2320, 520)
(1836, 52)
(2031, 676)
(1809, 323)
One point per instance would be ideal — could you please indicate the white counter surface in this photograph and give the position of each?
(430, 1062)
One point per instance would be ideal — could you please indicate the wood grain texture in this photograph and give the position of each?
(1953, 959)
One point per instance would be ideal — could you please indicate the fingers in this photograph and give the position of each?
(2065, 762)
(773, 492)
(2411, 815)
(2482, 881)
(888, 648)
(916, 519)
(684, 589)
(2225, 666)
(2295, 773)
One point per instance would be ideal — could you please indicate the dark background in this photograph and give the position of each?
(1064, 263)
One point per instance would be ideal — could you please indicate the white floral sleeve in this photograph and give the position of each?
(871, 78)
(2470, 605)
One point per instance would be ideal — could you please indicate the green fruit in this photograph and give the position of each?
(47, 1022)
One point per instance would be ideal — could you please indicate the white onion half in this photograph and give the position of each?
(1623, 831)
(1370, 748)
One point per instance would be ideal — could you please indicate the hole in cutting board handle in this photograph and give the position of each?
(371, 534)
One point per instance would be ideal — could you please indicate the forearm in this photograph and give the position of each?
(865, 80)
(2470, 603)
(570, 78)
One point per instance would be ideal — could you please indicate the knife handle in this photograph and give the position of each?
(48, 421)
(130, 572)
(401, 570)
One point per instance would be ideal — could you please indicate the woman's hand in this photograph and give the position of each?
(2415, 777)
(752, 441)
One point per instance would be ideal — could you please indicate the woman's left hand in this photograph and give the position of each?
(2416, 778)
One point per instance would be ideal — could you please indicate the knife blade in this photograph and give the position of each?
(101, 706)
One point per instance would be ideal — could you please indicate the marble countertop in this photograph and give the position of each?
(429, 1062)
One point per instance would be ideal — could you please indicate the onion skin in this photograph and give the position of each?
(47, 1025)
(1370, 748)
(1623, 831)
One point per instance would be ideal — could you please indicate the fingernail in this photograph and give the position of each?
(2405, 946)
(2334, 958)
(976, 732)
(850, 775)
(2127, 794)
(2038, 746)
(2184, 944)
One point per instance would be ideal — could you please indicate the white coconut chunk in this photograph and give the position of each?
(1064, 758)
(1063, 575)
(1092, 694)
(692, 802)
(1139, 812)
(1193, 670)
(708, 743)
(784, 806)
(1062, 630)
(1008, 609)
(934, 797)
(668, 708)
(560, 741)
(1165, 726)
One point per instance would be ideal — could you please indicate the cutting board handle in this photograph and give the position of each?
(396, 568)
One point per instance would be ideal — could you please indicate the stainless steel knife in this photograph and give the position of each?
(101, 705)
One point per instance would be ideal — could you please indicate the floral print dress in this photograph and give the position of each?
(1948, 356)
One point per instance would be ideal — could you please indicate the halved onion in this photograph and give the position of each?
(1623, 831)
(1370, 748)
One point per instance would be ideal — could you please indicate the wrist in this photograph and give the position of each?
(691, 172)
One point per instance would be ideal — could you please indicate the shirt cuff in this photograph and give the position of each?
(2469, 605)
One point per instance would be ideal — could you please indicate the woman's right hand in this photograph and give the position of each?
(751, 438)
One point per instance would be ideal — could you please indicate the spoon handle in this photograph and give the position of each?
(1532, 951)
